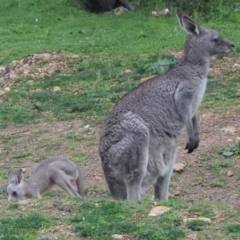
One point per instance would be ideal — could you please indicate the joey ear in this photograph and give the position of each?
(11, 176)
(20, 176)
(187, 23)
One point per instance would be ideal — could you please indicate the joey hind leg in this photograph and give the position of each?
(162, 185)
(64, 183)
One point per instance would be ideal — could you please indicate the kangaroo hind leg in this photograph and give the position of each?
(125, 161)
(162, 185)
(64, 182)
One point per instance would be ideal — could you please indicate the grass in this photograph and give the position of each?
(99, 219)
(203, 209)
(115, 52)
(23, 227)
(231, 151)
(221, 93)
(99, 78)
(102, 218)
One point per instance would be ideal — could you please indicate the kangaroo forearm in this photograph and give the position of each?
(195, 125)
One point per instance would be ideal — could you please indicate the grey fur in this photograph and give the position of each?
(106, 5)
(53, 170)
(138, 141)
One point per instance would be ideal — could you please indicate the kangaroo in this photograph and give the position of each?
(138, 141)
(53, 170)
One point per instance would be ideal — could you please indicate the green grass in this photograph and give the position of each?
(232, 229)
(222, 93)
(202, 209)
(23, 227)
(218, 165)
(99, 219)
(231, 151)
(107, 45)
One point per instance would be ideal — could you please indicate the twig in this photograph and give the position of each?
(19, 132)
(22, 166)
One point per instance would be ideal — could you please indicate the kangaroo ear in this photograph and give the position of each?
(11, 176)
(187, 23)
(20, 176)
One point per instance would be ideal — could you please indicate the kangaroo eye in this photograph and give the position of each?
(14, 194)
(217, 39)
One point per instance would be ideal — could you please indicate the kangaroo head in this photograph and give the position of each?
(15, 185)
(206, 42)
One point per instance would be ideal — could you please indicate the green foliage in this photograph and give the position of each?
(99, 219)
(231, 151)
(207, 9)
(13, 205)
(160, 66)
(232, 229)
(23, 227)
(107, 45)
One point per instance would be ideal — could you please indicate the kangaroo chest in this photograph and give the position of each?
(199, 96)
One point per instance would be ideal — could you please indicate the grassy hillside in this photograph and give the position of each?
(64, 70)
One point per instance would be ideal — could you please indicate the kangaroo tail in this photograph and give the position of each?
(79, 183)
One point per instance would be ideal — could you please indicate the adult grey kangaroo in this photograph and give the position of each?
(138, 141)
(53, 170)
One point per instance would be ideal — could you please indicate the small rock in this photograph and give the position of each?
(175, 193)
(46, 56)
(87, 126)
(74, 56)
(3, 71)
(38, 90)
(178, 167)
(69, 110)
(31, 82)
(128, 71)
(2, 92)
(230, 173)
(56, 89)
(236, 65)
(230, 140)
(237, 138)
(117, 236)
(197, 218)
(119, 10)
(24, 202)
(229, 130)
(7, 89)
(159, 210)
(97, 178)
